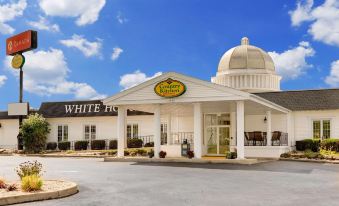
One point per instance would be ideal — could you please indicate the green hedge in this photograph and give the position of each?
(81, 145)
(65, 145)
(51, 145)
(308, 144)
(149, 144)
(113, 144)
(134, 143)
(330, 145)
(98, 144)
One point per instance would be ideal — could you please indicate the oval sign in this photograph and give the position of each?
(18, 61)
(170, 88)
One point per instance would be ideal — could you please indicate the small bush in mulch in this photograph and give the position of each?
(150, 153)
(98, 144)
(162, 154)
(81, 145)
(126, 153)
(31, 183)
(285, 155)
(11, 187)
(231, 155)
(113, 144)
(190, 154)
(149, 144)
(134, 143)
(330, 144)
(65, 145)
(51, 145)
(308, 144)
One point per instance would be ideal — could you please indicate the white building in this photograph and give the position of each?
(242, 109)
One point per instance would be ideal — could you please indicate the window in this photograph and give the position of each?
(163, 131)
(321, 129)
(90, 132)
(132, 130)
(62, 133)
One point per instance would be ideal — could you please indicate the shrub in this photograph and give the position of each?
(126, 153)
(151, 153)
(113, 144)
(134, 143)
(141, 152)
(98, 144)
(149, 144)
(34, 132)
(51, 145)
(3, 185)
(309, 154)
(31, 183)
(231, 155)
(330, 145)
(285, 155)
(308, 144)
(65, 145)
(162, 154)
(29, 168)
(81, 145)
(190, 154)
(11, 187)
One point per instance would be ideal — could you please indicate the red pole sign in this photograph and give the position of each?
(22, 42)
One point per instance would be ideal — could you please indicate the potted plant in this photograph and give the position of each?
(162, 154)
(190, 154)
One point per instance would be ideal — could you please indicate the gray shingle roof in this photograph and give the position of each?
(322, 99)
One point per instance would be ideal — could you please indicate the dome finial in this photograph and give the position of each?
(245, 41)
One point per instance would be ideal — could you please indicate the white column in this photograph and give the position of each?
(233, 129)
(157, 132)
(290, 129)
(197, 130)
(240, 130)
(269, 128)
(121, 129)
(169, 129)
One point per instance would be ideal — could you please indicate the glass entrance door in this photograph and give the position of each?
(217, 133)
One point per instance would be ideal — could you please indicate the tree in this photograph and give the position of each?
(34, 132)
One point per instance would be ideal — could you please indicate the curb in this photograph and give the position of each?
(310, 160)
(61, 156)
(32, 197)
(195, 161)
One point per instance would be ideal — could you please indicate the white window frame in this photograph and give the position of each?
(91, 134)
(134, 134)
(62, 132)
(321, 126)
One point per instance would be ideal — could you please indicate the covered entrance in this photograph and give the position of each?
(217, 133)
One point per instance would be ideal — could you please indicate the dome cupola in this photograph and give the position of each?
(248, 68)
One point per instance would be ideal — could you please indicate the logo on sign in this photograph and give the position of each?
(170, 88)
(10, 46)
(18, 61)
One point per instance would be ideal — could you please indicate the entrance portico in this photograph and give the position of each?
(211, 117)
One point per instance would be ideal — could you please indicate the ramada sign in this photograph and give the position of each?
(22, 42)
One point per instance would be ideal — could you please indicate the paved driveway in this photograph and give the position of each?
(269, 184)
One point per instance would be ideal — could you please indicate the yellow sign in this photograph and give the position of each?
(170, 88)
(18, 61)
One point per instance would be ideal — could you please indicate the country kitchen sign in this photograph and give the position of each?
(170, 88)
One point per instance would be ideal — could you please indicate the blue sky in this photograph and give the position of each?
(95, 48)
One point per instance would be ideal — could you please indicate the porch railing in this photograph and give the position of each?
(258, 138)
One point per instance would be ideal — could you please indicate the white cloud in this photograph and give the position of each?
(291, 63)
(324, 20)
(2, 80)
(86, 47)
(46, 73)
(121, 19)
(44, 24)
(86, 12)
(9, 12)
(135, 78)
(116, 53)
(333, 78)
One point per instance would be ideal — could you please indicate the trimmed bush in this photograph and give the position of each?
(126, 153)
(162, 154)
(151, 154)
(81, 145)
(31, 183)
(285, 155)
(51, 145)
(149, 144)
(190, 154)
(34, 132)
(308, 144)
(65, 145)
(231, 155)
(330, 145)
(98, 144)
(113, 144)
(134, 143)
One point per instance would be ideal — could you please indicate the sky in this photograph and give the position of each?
(95, 48)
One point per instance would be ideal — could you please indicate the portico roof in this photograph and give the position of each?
(197, 91)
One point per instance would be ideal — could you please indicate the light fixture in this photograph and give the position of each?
(265, 119)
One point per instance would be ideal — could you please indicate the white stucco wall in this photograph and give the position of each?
(8, 133)
(256, 123)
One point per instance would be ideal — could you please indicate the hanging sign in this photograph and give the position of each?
(22, 42)
(18, 61)
(170, 88)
